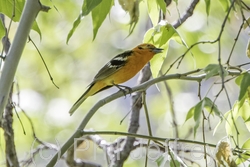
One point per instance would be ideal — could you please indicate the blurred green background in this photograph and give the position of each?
(74, 65)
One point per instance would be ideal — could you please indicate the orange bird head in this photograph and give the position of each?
(149, 48)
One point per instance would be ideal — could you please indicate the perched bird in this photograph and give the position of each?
(118, 70)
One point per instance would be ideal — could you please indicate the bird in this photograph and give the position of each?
(118, 70)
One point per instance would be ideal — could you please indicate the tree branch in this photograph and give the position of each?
(73, 163)
(30, 11)
(7, 122)
(10, 149)
(123, 153)
(188, 13)
(78, 133)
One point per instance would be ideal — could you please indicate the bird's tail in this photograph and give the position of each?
(94, 88)
(77, 104)
(80, 100)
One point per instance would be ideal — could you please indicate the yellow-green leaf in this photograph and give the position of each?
(87, 7)
(6, 7)
(162, 5)
(196, 111)
(153, 11)
(211, 107)
(2, 30)
(99, 14)
(225, 4)
(162, 159)
(207, 6)
(245, 83)
(237, 116)
(190, 113)
(239, 79)
(75, 25)
(214, 69)
(243, 157)
(246, 145)
(160, 36)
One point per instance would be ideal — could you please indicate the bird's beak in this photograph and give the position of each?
(157, 50)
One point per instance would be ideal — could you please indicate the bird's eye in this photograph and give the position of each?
(149, 46)
(139, 47)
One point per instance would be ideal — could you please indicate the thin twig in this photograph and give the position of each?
(44, 63)
(160, 139)
(148, 123)
(188, 13)
(235, 41)
(172, 110)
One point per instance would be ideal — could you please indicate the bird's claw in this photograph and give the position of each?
(124, 89)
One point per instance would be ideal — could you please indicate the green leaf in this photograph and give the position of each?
(197, 115)
(247, 120)
(196, 111)
(243, 157)
(246, 145)
(75, 25)
(244, 85)
(99, 14)
(211, 107)
(37, 29)
(153, 11)
(7, 7)
(239, 114)
(162, 159)
(190, 113)
(196, 126)
(174, 163)
(162, 5)
(243, 110)
(175, 160)
(225, 4)
(2, 30)
(160, 36)
(87, 7)
(213, 70)
(239, 79)
(207, 6)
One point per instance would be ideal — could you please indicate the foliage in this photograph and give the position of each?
(14, 8)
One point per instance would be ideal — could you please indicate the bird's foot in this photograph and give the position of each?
(124, 89)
